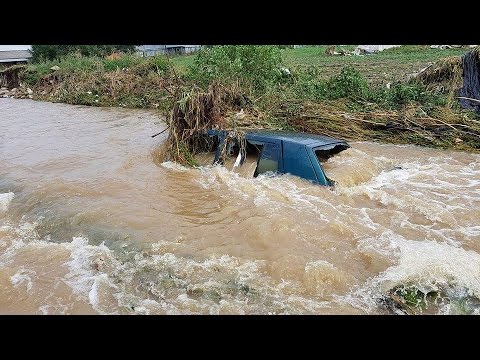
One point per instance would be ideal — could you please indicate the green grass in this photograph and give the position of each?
(386, 66)
(182, 63)
(35, 72)
(83, 66)
(406, 53)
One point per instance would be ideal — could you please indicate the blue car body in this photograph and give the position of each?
(288, 152)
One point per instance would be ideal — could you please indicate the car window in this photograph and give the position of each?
(325, 153)
(268, 159)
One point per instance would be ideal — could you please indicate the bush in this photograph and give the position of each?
(34, 73)
(404, 93)
(255, 66)
(307, 85)
(348, 84)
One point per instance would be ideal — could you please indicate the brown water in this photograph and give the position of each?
(91, 221)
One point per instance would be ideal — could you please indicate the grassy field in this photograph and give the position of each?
(183, 62)
(387, 66)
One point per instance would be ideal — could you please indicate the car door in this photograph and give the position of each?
(297, 162)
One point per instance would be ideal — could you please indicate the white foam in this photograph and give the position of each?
(86, 282)
(5, 200)
(23, 276)
(270, 193)
(174, 166)
(428, 265)
(82, 277)
(409, 188)
(44, 309)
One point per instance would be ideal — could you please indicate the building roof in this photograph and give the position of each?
(15, 47)
(150, 47)
(162, 47)
(15, 55)
(177, 46)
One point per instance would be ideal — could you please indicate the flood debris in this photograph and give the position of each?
(196, 111)
(17, 93)
(458, 76)
(99, 263)
(413, 299)
(332, 50)
(444, 47)
(444, 75)
(371, 49)
(409, 299)
(193, 113)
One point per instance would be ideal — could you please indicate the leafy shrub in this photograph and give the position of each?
(348, 83)
(162, 63)
(404, 93)
(256, 66)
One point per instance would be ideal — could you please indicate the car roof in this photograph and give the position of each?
(292, 137)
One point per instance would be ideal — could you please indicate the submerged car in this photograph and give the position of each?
(281, 152)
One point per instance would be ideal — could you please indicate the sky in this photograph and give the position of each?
(15, 47)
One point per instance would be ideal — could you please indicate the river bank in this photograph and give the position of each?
(365, 99)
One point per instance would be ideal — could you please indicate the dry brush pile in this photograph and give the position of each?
(196, 110)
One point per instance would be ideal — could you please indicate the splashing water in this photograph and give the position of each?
(92, 222)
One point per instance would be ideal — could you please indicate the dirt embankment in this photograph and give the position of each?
(10, 84)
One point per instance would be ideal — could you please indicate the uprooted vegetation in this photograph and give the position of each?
(238, 87)
(197, 110)
(413, 299)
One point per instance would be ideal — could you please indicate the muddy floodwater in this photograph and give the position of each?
(92, 221)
